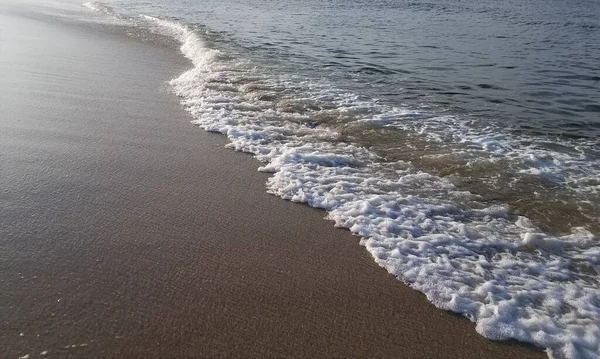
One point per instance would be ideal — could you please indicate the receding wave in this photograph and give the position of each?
(467, 253)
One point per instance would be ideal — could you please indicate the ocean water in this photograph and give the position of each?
(458, 139)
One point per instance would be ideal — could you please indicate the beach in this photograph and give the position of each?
(127, 232)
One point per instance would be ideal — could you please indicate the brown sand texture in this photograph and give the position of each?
(126, 232)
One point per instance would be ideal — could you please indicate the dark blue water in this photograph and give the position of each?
(531, 65)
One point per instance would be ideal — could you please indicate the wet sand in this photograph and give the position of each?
(127, 232)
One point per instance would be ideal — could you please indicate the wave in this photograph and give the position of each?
(515, 280)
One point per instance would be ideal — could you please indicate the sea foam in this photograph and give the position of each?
(498, 269)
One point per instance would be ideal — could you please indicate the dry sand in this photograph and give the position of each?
(127, 232)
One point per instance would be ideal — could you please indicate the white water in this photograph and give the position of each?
(501, 271)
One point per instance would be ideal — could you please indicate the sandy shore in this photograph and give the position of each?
(127, 232)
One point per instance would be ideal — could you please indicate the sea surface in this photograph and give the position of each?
(458, 139)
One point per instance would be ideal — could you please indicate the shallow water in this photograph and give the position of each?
(459, 140)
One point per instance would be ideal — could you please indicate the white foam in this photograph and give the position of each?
(506, 274)
(92, 6)
(572, 165)
(108, 14)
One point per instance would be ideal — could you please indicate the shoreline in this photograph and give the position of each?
(128, 232)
